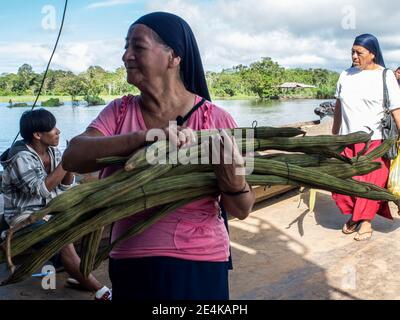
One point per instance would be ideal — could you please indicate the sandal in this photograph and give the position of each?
(350, 226)
(359, 236)
(103, 294)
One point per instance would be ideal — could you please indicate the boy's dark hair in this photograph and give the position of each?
(39, 120)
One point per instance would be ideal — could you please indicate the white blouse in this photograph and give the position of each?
(361, 96)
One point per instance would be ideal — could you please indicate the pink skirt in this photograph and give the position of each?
(361, 208)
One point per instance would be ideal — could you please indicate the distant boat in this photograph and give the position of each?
(326, 108)
(19, 105)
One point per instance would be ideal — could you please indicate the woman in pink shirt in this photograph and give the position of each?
(185, 254)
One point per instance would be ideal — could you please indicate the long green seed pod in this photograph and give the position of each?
(89, 247)
(104, 218)
(97, 200)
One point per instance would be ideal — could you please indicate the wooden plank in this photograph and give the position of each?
(263, 193)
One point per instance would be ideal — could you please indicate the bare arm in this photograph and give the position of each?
(59, 175)
(83, 150)
(68, 178)
(337, 120)
(241, 205)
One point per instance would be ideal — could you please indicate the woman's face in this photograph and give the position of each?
(145, 59)
(51, 138)
(362, 58)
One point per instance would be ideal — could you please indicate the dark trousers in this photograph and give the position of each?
(165, 278)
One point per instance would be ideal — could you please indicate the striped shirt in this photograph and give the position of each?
(23, 182)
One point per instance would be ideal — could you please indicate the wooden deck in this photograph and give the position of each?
(263, 193)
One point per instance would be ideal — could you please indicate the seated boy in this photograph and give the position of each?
(33, 175)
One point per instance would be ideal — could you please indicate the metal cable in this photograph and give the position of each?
(48, 64)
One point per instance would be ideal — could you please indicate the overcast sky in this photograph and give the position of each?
(306, 34)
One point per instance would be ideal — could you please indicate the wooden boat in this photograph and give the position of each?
(19, 105)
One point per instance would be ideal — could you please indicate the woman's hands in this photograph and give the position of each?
(237, 196)
(227, 162)
(180, 137)
(223, 154)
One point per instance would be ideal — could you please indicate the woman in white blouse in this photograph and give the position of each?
(359, 107)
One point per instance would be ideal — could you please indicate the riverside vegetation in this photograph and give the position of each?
(258, 80)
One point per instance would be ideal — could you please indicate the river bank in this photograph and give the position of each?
(111, 97)
(31, 99)
(107, 98)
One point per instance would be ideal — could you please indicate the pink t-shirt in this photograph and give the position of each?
(193, 232)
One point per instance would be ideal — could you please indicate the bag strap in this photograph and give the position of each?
(385, 92)
(181, 120)
(122, 109)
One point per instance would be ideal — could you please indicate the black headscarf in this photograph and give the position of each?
(178, 35)
(370, 42)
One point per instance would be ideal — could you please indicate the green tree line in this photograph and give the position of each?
(262, 77)
(92, 83)
(259, 79)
